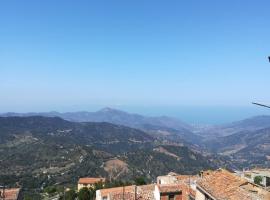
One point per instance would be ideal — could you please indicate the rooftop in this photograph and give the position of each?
(169, 188)
(144, 192)
(263, 172)
(90, 180)
(10, 194)
(223, 185)
(107, 191)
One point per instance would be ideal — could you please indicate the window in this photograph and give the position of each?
(267, 181)
(171, 197)
(104, 198)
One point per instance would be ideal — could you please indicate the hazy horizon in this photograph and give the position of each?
(59, 55)
(201, 115)
(204, 62)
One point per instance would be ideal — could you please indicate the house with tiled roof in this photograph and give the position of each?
(224, 185)
(168, 192)
(210, 185)
(11, 194)
(187, 182)
(264, 174)
(172, 178)
(144, 192)
(89, 182)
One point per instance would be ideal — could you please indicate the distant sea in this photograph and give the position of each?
(209, 115)
(197, 115)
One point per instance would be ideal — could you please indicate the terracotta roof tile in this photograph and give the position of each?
(169, 188)
(144, 192)
(224, 185)
(116, 190)
(90, 180)
(11, 194)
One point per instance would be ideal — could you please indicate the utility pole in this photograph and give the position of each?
(64, 193)
(123, 192)
(135, 192)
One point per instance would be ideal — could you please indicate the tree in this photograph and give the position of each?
(258, 180)
(50, 190)
(99, 185)
(70, 195)
(84, 194)
(140, 181)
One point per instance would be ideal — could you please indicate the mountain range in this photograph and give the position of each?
(113, 116)
(250, 124)
(39, 149)
(245, 148)
(163, 126)
(158, 126)
(246, 142)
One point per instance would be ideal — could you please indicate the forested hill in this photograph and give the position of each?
(38, 151)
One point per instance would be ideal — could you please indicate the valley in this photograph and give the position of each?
(38, 150)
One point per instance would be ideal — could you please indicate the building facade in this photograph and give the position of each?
(89, 182)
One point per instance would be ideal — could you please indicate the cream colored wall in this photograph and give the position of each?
(156, 193)
(199, 195)
(166, 180)
(98, 195)
(80, 186)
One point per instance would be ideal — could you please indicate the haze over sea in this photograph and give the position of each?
(207, 115)
(200, 61)
(197, 115)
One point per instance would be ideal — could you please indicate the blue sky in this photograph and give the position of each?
(82, 55)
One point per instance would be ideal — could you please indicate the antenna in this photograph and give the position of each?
(259, 104)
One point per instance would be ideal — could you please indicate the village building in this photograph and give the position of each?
(221, 184)
(144, 192)
(264, 174)
(171, 178)
(187, 183)
(89, 182)
(168, 192)
(11, 194)
(209, 185)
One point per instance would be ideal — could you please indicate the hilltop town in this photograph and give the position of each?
(217, 184)
(47, 157)
(134, 100)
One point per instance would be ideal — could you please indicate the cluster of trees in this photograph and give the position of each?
(83, 194)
